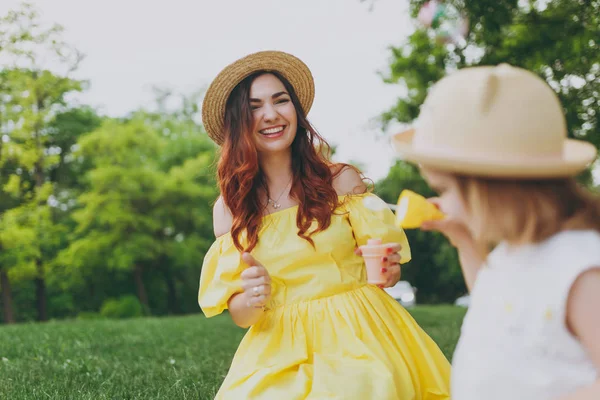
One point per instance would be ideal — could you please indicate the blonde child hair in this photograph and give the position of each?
(528, 211)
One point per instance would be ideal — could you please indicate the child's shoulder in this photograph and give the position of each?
(572, 252)
(586, 241)
(569, 247)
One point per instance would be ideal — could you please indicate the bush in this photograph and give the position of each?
(88, 315)
(60, 305)
(123, 307)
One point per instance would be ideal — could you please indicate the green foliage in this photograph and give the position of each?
(147, 201)
(61, 304)
(89, 315)
(32, 97)
(92, 207)
(124, 307)
(557, 39)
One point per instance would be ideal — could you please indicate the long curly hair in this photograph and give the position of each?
(241, 179)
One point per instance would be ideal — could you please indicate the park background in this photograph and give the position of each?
(107, 178)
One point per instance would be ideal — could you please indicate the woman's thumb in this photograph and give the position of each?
(248, 259)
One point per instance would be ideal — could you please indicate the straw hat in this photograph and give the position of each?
(500, 121)
(292, 68)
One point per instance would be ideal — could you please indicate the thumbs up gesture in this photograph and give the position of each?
(256, 282)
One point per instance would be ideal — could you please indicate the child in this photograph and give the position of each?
(492, 142)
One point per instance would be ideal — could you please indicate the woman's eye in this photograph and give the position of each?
(283, 101)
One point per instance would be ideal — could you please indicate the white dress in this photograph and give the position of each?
(514, 342)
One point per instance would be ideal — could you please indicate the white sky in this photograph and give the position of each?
(131, 45)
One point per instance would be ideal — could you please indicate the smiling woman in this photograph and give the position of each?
(273, 106)
(261, 125)
(314, 320)
(273, 112)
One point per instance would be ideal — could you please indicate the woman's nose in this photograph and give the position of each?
(270, 114)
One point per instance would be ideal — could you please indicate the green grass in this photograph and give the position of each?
(147, 358)
(442, 323)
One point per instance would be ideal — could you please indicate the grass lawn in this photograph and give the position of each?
(147, 358)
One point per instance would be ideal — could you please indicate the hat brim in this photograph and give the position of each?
(215, 98)
(577, 156)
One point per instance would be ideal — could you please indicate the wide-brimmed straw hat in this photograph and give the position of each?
(215, 99)
(499, 121)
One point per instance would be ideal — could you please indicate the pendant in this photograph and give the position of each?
(275, 205)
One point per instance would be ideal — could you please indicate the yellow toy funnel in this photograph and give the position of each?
(413, 209)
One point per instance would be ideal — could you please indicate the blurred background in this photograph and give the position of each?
(107, 177)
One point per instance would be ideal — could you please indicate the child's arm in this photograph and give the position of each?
(471, 261)
(459, 236)
(583, 319)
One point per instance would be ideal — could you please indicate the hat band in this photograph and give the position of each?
(483, 156)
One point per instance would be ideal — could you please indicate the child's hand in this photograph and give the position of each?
(456, 232)
(460, 237)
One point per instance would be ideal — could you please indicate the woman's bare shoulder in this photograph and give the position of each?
(222, 218)
(347, 179)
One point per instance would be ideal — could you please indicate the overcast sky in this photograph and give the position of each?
(131, 45)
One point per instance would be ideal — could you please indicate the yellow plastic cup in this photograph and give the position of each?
(413, 209)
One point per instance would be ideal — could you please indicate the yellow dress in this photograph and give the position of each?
(326, 334)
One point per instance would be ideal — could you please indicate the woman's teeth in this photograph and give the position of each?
(271, 131)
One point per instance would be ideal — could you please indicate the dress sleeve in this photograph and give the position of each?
(220, 276)
(370, 217)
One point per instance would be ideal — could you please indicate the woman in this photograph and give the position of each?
(284, 262)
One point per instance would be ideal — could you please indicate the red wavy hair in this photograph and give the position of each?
(241, 179)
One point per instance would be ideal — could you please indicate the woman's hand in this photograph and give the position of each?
(256, 282)
(391, 264)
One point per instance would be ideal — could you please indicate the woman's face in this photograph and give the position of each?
(274, 115)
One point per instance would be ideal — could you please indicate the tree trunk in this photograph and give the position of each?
(141, 289)
(40, 292)
(40, 283)
(9, 317)
(172, 304)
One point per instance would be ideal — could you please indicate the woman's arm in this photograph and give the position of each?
(348, 180)
(245, 308)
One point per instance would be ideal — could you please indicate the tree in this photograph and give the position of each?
(557, 39)
(146, 208)
(93, 207)
(32, 97)
(188, 192)
(115, 225)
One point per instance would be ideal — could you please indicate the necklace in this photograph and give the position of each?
(275, 203)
